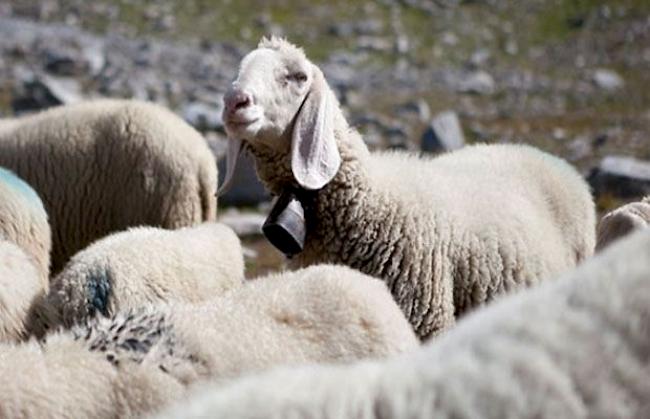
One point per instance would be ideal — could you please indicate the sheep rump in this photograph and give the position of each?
(105, 165)
(145, 265)
(329, 313)
(20, 286)
(623, 221)
(136, 361)
(24, 222)
(72, 376)
(574, 348)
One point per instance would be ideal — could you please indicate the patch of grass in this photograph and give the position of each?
(268, 259)
(607, 202)
(560, 18)
(5, 100)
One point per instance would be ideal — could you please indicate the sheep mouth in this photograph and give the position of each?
(240, 122)
(241, 126)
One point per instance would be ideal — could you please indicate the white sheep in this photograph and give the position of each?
(106, 165)
(147, 265)
(91, 374)
(134, 362)
(326, 313)
(623, 221)
(24, 222)
(445, 234)
(20, 285)
(575, 348)
(321, 313)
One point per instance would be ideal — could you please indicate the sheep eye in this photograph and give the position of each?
(298, 76)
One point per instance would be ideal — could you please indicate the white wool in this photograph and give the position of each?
(145, 265)
(106, 165)
(574, 348)
(446, 234)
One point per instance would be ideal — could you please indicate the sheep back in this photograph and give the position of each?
(574, 348)
(324, 313)
(147, 265)
(451, 233)
(107, 165)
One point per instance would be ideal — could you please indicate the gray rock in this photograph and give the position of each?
(419, 108)
(204, 116)
(607, 79)
(165, 22)
(511, 47)
(620, 176)
(94, 56)
(5, 9)
(66, 90)
(249, 253)
(600, 139)
(373, 43)
(396, 137)
(402, 44)
(559, 133)
(478, 82)
(341, 29)
(244, 224)
(479, 132)
(38, 92)
(449, 39)
(246, 188)
(480, 57)
(443, 134)
(361, 27)
(63, 62)
(579, 148)
(381, 132)
(369, 27)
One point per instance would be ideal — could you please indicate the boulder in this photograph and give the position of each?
(443, 134)
(620, 176)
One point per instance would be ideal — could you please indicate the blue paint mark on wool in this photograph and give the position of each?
(98, 290)
(10, 179)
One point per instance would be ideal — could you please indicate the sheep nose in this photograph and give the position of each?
(237, 99)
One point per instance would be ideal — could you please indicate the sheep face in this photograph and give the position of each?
(280, 100)
(262, 102)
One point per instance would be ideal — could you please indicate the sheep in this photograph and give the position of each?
(105, 165)
(323, 312)
(146, 265)
(24, 255)
(20, 285)
(129, 364)
(446, 234)
(89, 373)
(623, 221)
(572, 348)
(327, 313)
(24, 221)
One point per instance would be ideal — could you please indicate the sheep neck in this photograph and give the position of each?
(332, 213)
(353, 221)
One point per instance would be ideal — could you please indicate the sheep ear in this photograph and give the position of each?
(315, 159)
(232, 156)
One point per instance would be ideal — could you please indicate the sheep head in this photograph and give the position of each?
(280, 100)
(623, 221)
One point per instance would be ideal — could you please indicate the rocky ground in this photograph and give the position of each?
(568, 76)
